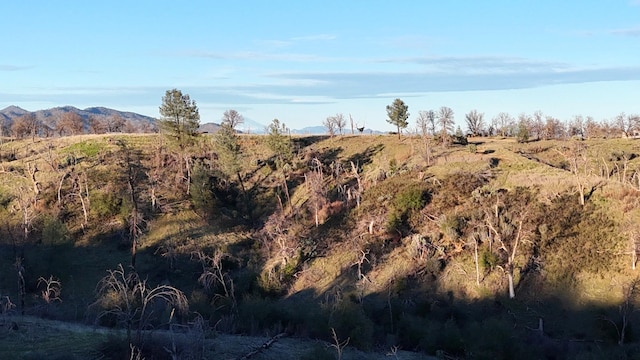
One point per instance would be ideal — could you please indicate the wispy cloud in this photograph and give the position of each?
(6, 67)
(428, 75)
(317, 37)
(253, 56)
(373, 84)
(633, 31)
(407, 41)
(480, 64)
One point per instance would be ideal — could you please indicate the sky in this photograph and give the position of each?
(302, 61)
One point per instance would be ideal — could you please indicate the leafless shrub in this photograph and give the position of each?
(213, 275)
(132, 302)
(52, 289)
(337, 344)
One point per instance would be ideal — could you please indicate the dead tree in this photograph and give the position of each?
(506, 221)
(22, 292)
(576, 156)
(360, 189)
(316, 187)
(626, 308)
(133, 177)
(129, 299)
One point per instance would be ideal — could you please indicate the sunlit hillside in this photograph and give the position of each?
(372, 244)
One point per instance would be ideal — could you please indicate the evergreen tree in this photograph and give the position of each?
(397, 114)
(180, 117)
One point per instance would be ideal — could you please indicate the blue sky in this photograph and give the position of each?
(301, 61)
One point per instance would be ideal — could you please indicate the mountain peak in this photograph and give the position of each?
(14, 110)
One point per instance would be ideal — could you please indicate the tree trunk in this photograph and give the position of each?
(476, 260)
(512, 292)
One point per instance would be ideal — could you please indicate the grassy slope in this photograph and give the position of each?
(81, 263)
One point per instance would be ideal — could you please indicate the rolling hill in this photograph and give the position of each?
(50, 116)
(495, 249)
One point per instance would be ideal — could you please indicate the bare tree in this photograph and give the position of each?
(628, 125)
(232, 118)
(628, 306)
(553, 129)
(575, 127)
(422, 122)
(591, 128)
(316, 187)
(446, 121)
(133, 174)
(502, 123)
(114, 124)
(475, 122)
(97, 125)
(506, 220)
(70, 123)
(537, 125)
(330, 124)
(25, 125)
(340, 122)
(426, 122)
(576, 156)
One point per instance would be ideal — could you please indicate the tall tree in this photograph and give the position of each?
(340, 122)
(503, 122)
(180, 117)
(133, 175)
(180, 121)
(426, 123)
(475, 122)
(232, 118)
(282, 149)
(229, 155)
(446, 121)
(422, 122)
(398, 113)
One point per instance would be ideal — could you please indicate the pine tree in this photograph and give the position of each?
(398, 113)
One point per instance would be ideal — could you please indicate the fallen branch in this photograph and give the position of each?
(264, 346)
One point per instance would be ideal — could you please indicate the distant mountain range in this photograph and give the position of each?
(321, 130)
(50, 116)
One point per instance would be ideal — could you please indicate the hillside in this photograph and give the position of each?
(493, 249)
(49, 117)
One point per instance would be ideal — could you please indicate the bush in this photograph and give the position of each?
(407, 202)
(54, 231)
(413, 198)
(488, 259)
(523, 133)
(107, 204)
